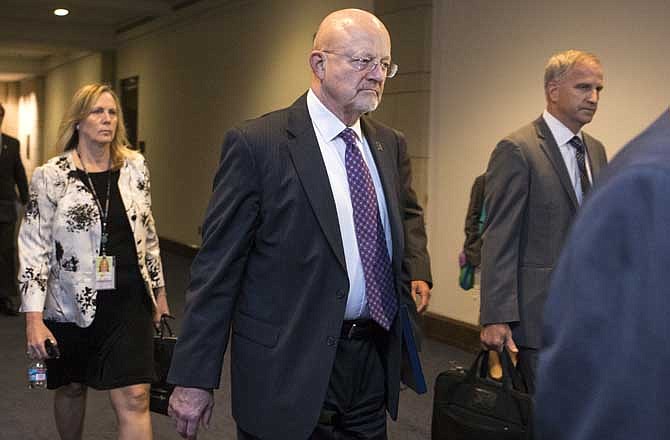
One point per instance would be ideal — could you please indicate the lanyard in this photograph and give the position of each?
(103, 213)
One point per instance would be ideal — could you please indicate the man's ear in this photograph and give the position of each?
(317, 61)
(553, 89)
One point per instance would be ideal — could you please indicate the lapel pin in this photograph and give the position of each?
(379, 146)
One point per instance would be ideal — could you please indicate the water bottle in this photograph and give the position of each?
(37, 374)
(37, 370)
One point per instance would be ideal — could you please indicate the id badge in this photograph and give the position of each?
(105, 273)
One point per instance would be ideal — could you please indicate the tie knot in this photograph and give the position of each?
(348, 136)
(577, 143)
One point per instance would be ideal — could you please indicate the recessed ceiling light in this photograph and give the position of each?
(61, 12)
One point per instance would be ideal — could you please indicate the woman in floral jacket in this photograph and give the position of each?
(91, 277)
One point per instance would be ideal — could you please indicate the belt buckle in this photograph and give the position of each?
(350, 333)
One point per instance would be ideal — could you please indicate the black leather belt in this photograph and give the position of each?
(359, 329)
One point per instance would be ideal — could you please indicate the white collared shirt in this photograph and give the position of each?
(327, 128)
(562, 136)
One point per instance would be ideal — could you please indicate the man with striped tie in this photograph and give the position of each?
(536, 180)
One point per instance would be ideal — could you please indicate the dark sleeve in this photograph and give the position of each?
(417, 259)
(473, 239)
(603, 371)
(228, 230)
(505, 199)
(20, 176)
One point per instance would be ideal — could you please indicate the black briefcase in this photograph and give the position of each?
(469, 405)
(161, 390)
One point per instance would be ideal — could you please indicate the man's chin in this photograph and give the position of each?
(587, 119)
(367, 106)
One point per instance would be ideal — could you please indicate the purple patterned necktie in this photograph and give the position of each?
(578, 145)
(379, 283)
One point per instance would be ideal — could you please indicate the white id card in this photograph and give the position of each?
(105, 273)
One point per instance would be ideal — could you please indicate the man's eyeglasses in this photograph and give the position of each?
(369, 64)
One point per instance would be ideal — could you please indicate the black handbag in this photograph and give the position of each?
(469, 405)
(164, 342)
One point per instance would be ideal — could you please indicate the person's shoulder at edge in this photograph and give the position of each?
(10, 139)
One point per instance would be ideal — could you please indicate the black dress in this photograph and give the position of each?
(116, 350)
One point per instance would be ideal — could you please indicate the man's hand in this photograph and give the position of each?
(496, 336)
(421, 295)
(190, 407)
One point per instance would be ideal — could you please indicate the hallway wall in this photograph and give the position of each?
(24, 118)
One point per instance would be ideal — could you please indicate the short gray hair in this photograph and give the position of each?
(561, 63)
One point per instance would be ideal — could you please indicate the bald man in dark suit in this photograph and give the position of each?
(306, 259)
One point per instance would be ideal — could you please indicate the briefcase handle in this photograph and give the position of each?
(163, 329)
(511, 378)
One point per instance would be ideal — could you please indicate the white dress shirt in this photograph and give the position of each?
(562, 136)
(327, 128)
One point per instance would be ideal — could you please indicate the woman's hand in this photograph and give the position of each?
(162, 307)
(36, 334)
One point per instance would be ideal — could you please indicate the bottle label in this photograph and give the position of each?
(37, 374)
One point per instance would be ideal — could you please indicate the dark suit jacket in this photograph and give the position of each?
(12, 175)
(272, 268)
(530, 205)
(603, 373)
(473, 239)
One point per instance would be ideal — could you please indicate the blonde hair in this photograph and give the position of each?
(80, 107)
(561, 63)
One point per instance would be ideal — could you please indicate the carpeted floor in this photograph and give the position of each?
(27, 414)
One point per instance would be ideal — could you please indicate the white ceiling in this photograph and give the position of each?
(30, 33)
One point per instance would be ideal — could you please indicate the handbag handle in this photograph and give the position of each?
(511, 379)
(163, 329)
(511, 376)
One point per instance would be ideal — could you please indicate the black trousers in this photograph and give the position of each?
(355, 403)
(8, 287)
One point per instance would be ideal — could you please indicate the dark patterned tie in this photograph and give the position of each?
(576, 142)
(379, 282)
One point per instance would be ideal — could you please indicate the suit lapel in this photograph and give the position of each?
(550, 148)
(382, 153)
(309, 165)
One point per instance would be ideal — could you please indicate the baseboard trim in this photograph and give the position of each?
(451, 331)
(181, 249)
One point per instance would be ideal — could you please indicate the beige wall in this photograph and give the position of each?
(200, 76)
(406, 101)
(488, 61)
(23, 118)
(9, 97)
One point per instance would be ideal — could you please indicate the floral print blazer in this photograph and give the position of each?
(60, 237)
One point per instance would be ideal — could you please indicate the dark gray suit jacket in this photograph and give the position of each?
(530, 205)
(12, 175)
(603, 373)
(472, 247)
(272, 269)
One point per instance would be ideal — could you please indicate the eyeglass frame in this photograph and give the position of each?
(365, 64)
